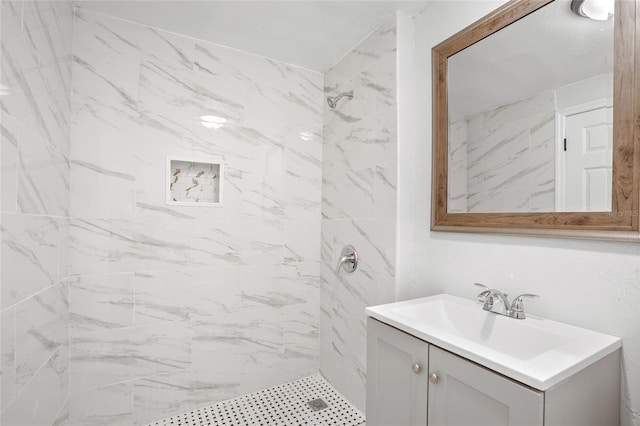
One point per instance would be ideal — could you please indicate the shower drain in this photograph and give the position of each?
(317, 404)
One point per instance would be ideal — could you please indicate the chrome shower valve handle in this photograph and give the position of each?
(348, 259)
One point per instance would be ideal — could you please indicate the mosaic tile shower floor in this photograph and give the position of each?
(283, 405)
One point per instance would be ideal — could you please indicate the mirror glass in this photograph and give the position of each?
(530, 117)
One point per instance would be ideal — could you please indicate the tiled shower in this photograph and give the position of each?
(121, 309)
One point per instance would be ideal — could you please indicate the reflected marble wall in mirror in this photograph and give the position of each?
(530, 116)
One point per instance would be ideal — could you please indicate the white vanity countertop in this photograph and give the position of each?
(537, 352)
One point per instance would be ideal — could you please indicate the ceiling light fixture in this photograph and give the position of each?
(599, 10)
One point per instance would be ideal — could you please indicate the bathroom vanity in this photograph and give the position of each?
(442, 360)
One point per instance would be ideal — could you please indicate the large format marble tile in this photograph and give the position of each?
(98, 144)
(235, 334)
(302, 331)
(36, 83)
(111, 246)
(41, 329)
(344, 359)
(238, 241)
(375, 46)
(278, 286)
(105, 406)
(7, 357)
(117, 41)
(9, 168)
(301, 240)
(181, 294)
(100, 302)
(165, 395)
(43, 177)
(101, 192)
(29, 255)
(41, 399)
(190, 94)
(107, 91)
(112, 356)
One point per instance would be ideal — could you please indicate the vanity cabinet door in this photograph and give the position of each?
(396, 377)
(466, 394)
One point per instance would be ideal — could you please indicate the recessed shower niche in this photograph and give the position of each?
(194, 181)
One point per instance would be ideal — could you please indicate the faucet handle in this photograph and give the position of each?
(482, 297)
(517, 306)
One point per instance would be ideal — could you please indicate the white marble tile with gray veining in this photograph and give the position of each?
(348, 195)
(9, 135)
(512, 159)
(345, 362)
(100, 302)
(99, 192)
(189, 94)
(371, 141)
(43, 177)
(108, 149)
(40, 400)
(107, 91)
(302, 330)
(301, 240)
(267, 369)
(62, 418)
(385, 190)
(263, 196)
(178, 295)
(239, 241)
(41, 329)
(112, 356)
(29, 255)
(240, 67)
(117, 40)
(111, 246)
(48, 27)
(241, 332)
(167, 394)
(104, 406)
(302, 180)
(36, 93)
(7, 357)
(375, 46)
(277, 286)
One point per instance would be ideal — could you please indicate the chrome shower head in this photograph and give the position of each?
(333, 100)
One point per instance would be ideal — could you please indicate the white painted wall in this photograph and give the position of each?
(586, 283)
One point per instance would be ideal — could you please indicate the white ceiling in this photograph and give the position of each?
(310, 34)
(547, 49)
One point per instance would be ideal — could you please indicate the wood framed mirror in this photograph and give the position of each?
(459, 204)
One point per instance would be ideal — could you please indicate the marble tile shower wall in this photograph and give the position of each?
(358, 205)
(35, 78)
(174, 307)
(503, 162)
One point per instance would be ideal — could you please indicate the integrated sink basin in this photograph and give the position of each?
(535, 351)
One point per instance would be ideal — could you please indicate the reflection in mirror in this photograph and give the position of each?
(514, 98)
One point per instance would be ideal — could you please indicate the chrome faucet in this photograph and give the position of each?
(497, 302)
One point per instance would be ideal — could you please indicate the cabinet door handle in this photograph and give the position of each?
(417, 368)
(433, 378)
